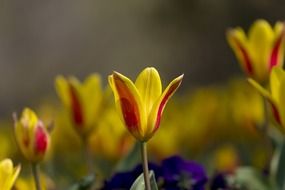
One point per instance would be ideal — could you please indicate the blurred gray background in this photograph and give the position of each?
(41, 39)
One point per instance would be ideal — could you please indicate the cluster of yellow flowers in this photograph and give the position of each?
(140, 104)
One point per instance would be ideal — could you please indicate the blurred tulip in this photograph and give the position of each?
(32, 136)
(262, 49)
(8, 174)
(84, 101)
(141, 104)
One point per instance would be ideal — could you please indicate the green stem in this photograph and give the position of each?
(266, 136)
(266, 119)
(35, 171)
(88, 158)
(145, 166)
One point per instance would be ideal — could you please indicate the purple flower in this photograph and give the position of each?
(124, 180)
(173, 173)
(183, 174)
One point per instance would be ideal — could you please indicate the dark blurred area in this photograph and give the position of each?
(41, 39)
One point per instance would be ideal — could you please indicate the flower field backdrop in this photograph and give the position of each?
(142, 95)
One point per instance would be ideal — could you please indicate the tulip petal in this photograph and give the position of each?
(16, 173)
(157, 110)
(91, 92)
(237, 40)
(76, 102)
(13, 177)
(68, 91)
(276, 57)
(128, 104)
(6, 171)
(281, 100)
(61, 86)
(148, 84)
(260, 38)
(275, 81)
(41, 139)
(8, 174)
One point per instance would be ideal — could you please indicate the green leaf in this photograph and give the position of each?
(248, 178)
(278, 165)
(84, 184)
(139, 182)
(130, 160)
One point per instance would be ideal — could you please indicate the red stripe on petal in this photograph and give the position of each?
(76, 106)
(129, 114)
(247, 61)
(275, 52)
(163, 103)
(275, 113)
(41, 139)
(128, 104)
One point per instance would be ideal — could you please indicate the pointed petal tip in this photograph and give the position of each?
(179, 78)
(117, 74)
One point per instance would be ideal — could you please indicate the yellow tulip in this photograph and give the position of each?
(262, 49)
(32, 136)
(141, 104)
(84, 101)
(275, 94)
(8, 174)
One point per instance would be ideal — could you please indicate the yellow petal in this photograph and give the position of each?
(92, 96)
(29, 119)
(277, 53)
(76, 102)
(278, 85)
(8, 174)
(16, 172)
(261, 38)
(157, 110)
(62, 89)
(129, 104)
(275, 78)
(149, 86)
(238, 42)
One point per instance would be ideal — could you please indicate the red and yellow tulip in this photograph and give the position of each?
(32, 136)
(262, 49)
(84, 101)
(275, 94)
(8, 174)
(141, 104)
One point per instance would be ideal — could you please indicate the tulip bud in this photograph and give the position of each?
(32, 136)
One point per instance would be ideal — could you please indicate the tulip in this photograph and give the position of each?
(141, 104)
(33, 140)
(32, 136)
(84, 101)
(261, 50)
(8, 174)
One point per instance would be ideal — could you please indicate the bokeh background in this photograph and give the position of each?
(213, 117)
(41, 39)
